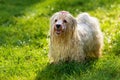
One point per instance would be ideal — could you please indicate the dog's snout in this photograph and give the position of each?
(58, 25)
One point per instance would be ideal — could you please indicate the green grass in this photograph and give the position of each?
(24, 40)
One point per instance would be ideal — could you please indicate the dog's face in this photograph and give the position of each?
(62, 22)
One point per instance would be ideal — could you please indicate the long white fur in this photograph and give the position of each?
(81, 39)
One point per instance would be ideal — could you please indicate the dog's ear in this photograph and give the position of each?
(74, 22)
(51, 20)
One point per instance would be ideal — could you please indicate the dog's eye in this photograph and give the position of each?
(55, 20)
(64, 21)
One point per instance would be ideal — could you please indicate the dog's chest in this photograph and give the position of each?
(66, 48)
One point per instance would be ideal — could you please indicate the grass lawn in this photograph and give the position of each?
(24, 40)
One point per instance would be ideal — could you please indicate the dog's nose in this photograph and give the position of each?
(58, 26)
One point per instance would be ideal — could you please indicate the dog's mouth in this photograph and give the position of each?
(58, 31)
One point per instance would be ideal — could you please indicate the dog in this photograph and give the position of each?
(74, 39)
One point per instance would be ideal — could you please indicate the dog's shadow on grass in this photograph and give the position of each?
(64, 70)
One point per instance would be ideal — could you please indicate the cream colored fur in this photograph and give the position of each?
(80, 38)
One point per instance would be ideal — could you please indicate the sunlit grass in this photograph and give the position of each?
(24, 40)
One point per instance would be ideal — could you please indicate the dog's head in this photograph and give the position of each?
(62, 22)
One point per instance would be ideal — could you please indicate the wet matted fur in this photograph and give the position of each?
(74, 38)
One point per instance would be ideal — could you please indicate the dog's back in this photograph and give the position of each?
(85, 18)
(88, 28)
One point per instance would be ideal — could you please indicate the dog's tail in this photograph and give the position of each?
(85, 18)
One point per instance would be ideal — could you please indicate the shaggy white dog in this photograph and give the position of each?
(74, 39)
